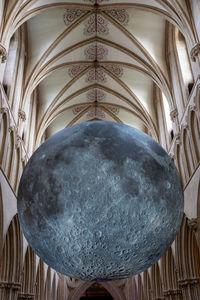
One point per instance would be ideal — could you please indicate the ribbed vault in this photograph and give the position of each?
(95, 59)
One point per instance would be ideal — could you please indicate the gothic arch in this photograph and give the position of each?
(28, 275)
(110, 287)
(156, 282)
(140, 288)
(188, 261)
(40, 283)
(48, 285)
(11, 261)
(170, 276)
(147, 286)
(54, 289)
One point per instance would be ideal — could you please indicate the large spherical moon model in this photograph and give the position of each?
(100, 200)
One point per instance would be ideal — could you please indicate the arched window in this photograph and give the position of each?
(167, 113)
(184, 62)
(10, 64)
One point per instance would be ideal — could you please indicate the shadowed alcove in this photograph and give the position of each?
(96, 291)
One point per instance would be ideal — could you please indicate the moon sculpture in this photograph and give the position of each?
(100, 201)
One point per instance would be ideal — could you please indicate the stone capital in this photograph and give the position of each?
(11, 128)
(190, 281)
(195, 52)
(26, 296)
(10, 285)
(4, 110)
(22, 115)
(18, 141)
(3, 53)
(173, 114)
(172, 292)
(178, 139)
(193, 224)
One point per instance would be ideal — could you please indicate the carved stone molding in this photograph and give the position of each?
(193, 224)
(195, 52)
(22, 115)
(173, 114)
(3, 53)
(18, 142)
(24, 159)
(191, 281)
(26, 296)
(10, 285)
(4, 110)
(11, 128)
(193, 107)
(172, 292)
(178, 139)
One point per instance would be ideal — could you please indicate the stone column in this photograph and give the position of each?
(194, 225)
(26, 296)
(9, 290)
(173, 294)
(190, 288)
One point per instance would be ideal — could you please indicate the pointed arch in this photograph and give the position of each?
(147, 286)
(169, 276)
(54, 289)
(188, 261)
(40, 284)
(183, 61)
(48, 286)
(28, 274)
(113, 290)
(140, 288)
(156, 282)
(11, 260)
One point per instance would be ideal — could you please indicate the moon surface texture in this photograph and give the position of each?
(100, 201)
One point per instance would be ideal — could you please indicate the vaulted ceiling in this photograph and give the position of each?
(97, 59)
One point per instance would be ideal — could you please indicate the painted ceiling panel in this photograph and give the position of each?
(96, 47)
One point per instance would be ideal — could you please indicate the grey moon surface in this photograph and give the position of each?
(100, 201)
